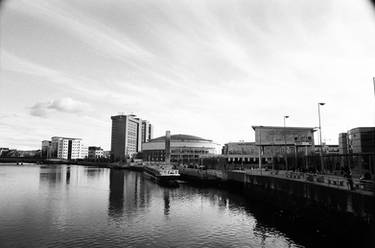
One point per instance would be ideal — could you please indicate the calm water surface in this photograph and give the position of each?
(79, 206)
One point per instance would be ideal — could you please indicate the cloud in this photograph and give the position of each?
(65, 105)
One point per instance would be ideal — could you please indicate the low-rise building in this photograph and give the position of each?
(361, 140)
(184, 148)
(327, 149)
(95, 152)
(46, 149)
(3, 151)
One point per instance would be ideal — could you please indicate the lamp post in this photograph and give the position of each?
(285, 154)
(320, 138)
(260, 148)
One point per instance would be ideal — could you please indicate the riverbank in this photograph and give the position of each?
(319, 208)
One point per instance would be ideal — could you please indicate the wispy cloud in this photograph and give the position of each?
(189, 65)
(100, 37)
(65, 105)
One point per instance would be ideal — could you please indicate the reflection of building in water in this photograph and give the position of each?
(166, 202)
(67, 175)
(51, 176)
(94, 172)
(128, 192)
(137, 194)
(116, 193)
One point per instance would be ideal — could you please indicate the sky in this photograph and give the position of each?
(207, 68)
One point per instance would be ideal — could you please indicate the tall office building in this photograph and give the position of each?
(147, 131)
(126, 136)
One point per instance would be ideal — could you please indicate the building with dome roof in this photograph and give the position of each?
(184, 148)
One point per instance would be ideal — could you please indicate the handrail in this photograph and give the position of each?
(331, 180)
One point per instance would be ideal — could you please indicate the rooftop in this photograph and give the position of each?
(281, 127)
(181, 137)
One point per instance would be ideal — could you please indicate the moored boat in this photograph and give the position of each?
(163, 174)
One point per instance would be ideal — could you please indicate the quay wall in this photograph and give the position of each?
(318, 207)
(296, 194)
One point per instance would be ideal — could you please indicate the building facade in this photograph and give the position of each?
(46, 149)
(64, 148)
(184, 148)
(3, 151)
(343, 143)
(147, 131)
(126, 138)
(361, 140)
(281, 136)
(327, 149)
(357, 150)
(95, 152)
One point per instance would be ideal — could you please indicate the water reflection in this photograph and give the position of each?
(93, 172)
(116, 193)
(68, 175)
(137, 191)
(51, 175)
(129, 193)
(166, 202)
(124, 207)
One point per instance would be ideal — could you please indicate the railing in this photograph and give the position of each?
(327, 180)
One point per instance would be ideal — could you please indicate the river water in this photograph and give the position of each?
(78, 206)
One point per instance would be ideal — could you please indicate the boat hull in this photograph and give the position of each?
(163, 180)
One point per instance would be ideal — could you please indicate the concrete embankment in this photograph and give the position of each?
(300, 196)
(317, 206)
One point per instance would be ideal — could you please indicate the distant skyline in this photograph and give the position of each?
(207, 68)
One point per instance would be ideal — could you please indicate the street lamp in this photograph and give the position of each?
(260, 148)
(320, 137)
(285, 155)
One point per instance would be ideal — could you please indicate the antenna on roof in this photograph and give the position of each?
(121, 113)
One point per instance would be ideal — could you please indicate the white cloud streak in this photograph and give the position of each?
(189, 65)
(65, 105)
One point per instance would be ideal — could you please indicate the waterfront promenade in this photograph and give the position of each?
(302, 194)
(327, 180)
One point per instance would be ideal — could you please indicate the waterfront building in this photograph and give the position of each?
(248, 152)
(280, 136)
(65, 148)
(343, 143)
(3, 151)
(286, 139)
(126, 138)
(240, 152)
(46, 149)
(327, 149)
(147, 131)
(106, 154)
(95, 152)
(283, 144)
(361, 140)
(361, 151)
(14, 153)
(184, 148)
(84, 152)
